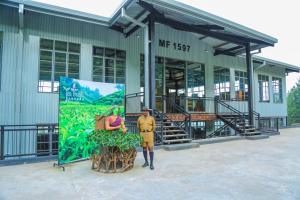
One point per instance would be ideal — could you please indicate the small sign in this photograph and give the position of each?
(175, 45)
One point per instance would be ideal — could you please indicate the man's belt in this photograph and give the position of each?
(145, 131)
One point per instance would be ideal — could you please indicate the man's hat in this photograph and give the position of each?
(145, 108)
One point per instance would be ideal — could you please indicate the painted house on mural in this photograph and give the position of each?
(197, 71)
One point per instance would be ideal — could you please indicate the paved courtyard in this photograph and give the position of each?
(242, 170)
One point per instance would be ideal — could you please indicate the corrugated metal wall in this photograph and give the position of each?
(42, 108)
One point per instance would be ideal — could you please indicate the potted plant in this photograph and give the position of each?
(113, 150)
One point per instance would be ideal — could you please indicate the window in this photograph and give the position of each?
(263, 85)
(109, 65)
(47, 139)
(277, 90)
(241, 86)
(222, 83)
(1, 56)
(57, 58)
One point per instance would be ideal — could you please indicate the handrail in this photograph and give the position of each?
(238, 113)
(218, 130)
(230, 107)
(134, 94)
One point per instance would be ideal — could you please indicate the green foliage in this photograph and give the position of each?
(115, 98)
(76, 122)
(293, 103)
(102, 138)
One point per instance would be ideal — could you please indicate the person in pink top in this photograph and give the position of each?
(114, 121)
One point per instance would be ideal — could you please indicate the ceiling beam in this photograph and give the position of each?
(220, 45)
(197, 29)
(203, 37)
(135, 28)
(117, 28)
(136, 17)
(228, 51)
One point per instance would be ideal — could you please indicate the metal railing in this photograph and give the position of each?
(230, 115)
(25, 141)
(136, 100)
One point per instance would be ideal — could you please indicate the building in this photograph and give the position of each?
(180, 57)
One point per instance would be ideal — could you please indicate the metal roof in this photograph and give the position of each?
(172, 10)
(57, 11)
(187, 18)
(286, 66)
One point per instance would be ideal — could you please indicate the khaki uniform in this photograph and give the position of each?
(146, 126)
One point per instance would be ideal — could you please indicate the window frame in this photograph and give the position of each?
(219, 88)
(261, 88)
(245, 94)
(279, 85)
(53, 82)
(115, 58)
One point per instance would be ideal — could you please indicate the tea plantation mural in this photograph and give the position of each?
(79, 103)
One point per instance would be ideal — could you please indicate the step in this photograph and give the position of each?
(250, 129)
(177, 140)
(157, 126)
(175, 135)
(252, 133)
(175, 147)
(173, 131)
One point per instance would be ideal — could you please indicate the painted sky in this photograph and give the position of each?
(276, 18)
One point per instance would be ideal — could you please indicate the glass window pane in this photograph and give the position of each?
(46, 66)
(73, 68)
(60, 46)
(110, 53)
(97, 61)
(109, 71)
(60, 67)
(60, 57)
(98, 51)
(57, 76)
(45, 76)
(97, 70)
(44, 86)
(120, 80)
(98, 78)
(46, 44)
(121, 54)
(46, 55)
(109, 79)
(74, 58)
(72, 75)
(73, 47)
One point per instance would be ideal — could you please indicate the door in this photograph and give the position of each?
(174, 84)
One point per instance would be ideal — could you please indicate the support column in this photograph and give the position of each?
(152, 53)
(250, 83)
(146, 66)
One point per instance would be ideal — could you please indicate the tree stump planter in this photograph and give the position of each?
(112, 160)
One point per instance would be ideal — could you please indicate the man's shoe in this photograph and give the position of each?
(151, 167)
(146, 164)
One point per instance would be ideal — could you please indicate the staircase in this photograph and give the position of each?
(235, 119)
(170, 132)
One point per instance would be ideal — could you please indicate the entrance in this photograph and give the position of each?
(175, 84)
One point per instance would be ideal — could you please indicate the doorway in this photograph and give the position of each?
(175, 84)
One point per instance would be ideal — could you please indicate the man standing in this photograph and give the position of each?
(146, 126)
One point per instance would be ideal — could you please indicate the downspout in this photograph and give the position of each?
(146, 53)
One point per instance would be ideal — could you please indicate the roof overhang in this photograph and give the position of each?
(266, 61)
(226, 37)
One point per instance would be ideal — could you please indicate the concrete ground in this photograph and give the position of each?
(267, 169)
